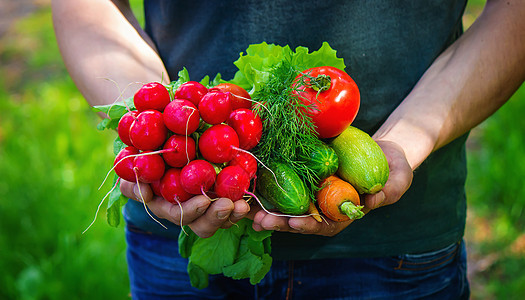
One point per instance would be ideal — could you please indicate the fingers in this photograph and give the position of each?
(374, 201)
(185, 213)
(254, 209)
(265, 221)
(202, 215)
(399, 179)
(222, 213)
(325, 228)
(304, 225)
(311, 226)
(241, 210)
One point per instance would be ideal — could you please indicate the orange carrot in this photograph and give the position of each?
(312, 210)
(339, 200)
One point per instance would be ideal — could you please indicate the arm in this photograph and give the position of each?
(464, 86)
(101, 39)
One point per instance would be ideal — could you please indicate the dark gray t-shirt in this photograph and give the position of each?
(387, 46)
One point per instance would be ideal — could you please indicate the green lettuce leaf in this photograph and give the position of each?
(325, 56)
(260, 59)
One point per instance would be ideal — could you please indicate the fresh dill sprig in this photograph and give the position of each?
(288, 131)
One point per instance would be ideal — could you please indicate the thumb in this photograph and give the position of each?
(138, 192)
(374, 201)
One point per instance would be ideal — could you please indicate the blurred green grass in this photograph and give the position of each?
(51, 161)
(47, 127)
(495, 234)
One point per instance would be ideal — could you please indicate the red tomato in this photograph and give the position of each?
(334, 107)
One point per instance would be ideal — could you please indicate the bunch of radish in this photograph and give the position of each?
(195, 141)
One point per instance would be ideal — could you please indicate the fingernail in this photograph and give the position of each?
(296, 228)
(136, 193)
(257, 227)
(238, 214)
(382, 199)
(223, 214)
(201, 209)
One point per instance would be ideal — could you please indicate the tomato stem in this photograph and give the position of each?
(353, 211)
(321, 82)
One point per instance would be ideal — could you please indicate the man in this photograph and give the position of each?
(424, 85)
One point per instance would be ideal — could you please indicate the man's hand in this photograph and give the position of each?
(399, 179)
(304, 225)
(202, 215)
(398, 182)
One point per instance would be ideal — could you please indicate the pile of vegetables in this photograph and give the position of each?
(279, 132)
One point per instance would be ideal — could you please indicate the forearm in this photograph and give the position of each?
(104, 49)
(464, 86)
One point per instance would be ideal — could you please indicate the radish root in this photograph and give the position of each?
(131, 156)
(275, 214)
(206, 195)
(260, 103)
(121, 92)
(144, 202)
(187, 124)
(100, 204)
(262, 164)
(181, 216)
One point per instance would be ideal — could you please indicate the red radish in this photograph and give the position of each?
(124, 124)
(240, 97)
(215, 107)
(148, 131)
(124, 166)
(198, 176)
(179, 150)
(181, 116)
(232, 182)
(218, 143)
(155, 187)
(170, 187)
(191, 91)
(149, 167)
(248, 127)
(152, 95)
(246, 161)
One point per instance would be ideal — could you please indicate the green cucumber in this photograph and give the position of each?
(283, 188)
(362, 162)
(322, 160)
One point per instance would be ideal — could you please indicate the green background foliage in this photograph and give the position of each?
(52, 160)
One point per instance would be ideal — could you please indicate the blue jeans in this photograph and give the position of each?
(157, 271)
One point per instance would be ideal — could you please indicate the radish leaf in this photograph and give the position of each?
(237, 252)
(198, 277)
